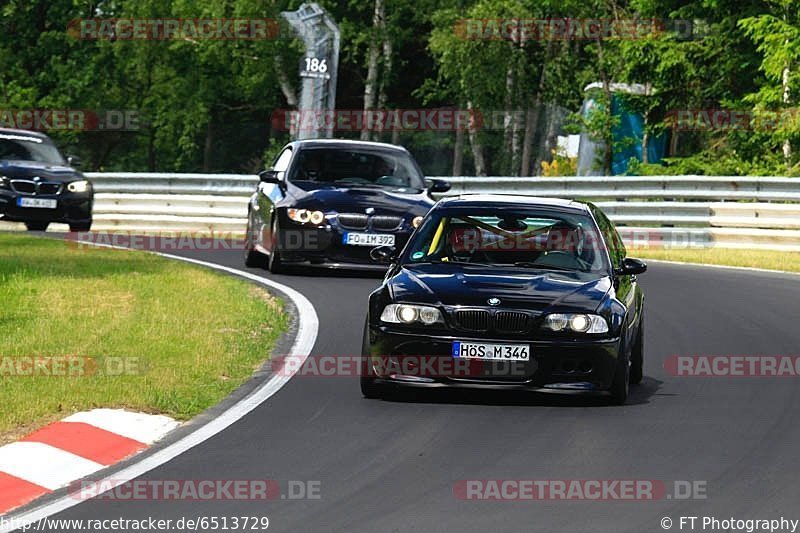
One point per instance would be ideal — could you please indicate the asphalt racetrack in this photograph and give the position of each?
(393, 465)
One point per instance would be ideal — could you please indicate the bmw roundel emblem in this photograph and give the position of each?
(493, 301)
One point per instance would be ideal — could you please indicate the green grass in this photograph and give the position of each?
(194, 335)
(771, 260)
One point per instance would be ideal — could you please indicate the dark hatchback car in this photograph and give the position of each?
(38, 186)
(509, 293)
(330, 202)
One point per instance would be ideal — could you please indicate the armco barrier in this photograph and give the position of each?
(736, 212)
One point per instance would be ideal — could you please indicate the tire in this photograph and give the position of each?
(637, 356)
(370, 389)
(37, 226)
(81, 226)
(252, 257)
(620, 387)
(275, 264)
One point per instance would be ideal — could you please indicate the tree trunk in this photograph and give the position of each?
(475, 144)
(608, 134)
(151, 150)
(532, 117)
(787, 146)
(673, 142)
(386, 75)
(458, 152)
(208, 147)
(373, 55)
(387, 67)
(284, 83)
(508, 115)
(608, 145)
(532, 120)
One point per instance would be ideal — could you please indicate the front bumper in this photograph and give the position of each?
(71, 207)
(418, 359)
(324, 245)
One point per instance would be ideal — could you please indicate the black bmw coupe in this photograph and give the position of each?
(510, 293)
(329, 202)
(39, 186)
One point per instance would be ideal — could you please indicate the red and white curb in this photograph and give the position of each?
(304, 339)
(73, 448)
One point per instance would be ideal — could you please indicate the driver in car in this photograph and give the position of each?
(312, 166)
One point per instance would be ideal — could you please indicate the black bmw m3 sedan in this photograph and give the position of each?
(507, 292)
(329, 202)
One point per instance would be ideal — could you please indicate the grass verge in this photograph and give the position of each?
(771, 260)
(133, 330)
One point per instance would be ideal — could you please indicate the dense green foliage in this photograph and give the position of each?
(206, 105)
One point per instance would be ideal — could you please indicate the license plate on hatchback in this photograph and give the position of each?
(491, 351)
(41, 203)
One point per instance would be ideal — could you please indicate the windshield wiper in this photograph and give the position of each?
(358, 184)
(529, 264)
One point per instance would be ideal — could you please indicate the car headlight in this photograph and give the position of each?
(4, 182)
(78, 186)
(576, 322)
(305, 216)
(416, 222)
(410, 314)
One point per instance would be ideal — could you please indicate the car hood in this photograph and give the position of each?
(517, 288)
(357, 199)
(32, 169)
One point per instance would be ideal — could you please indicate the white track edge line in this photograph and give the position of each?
(726, 267)
(304, 341)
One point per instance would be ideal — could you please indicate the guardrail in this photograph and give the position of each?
(733, 212)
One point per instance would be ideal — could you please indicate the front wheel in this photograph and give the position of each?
(621, 384)
(37, 226)
(369, 387)
(252, 257)
(275, 263)
(81, 226)
(637, 356)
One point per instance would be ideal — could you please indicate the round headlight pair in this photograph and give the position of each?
(78, 186)
(304, 216)
(409, 314)
(576, 322)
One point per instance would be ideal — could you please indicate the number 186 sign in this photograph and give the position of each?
(314, 67)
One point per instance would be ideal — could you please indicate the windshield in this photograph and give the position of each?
(337, 167)
(519, 238)
(21, 148)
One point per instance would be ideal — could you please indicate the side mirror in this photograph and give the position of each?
(383, 254)
(74, 161)
(269, 176)
(631, 266)
(438, 186)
